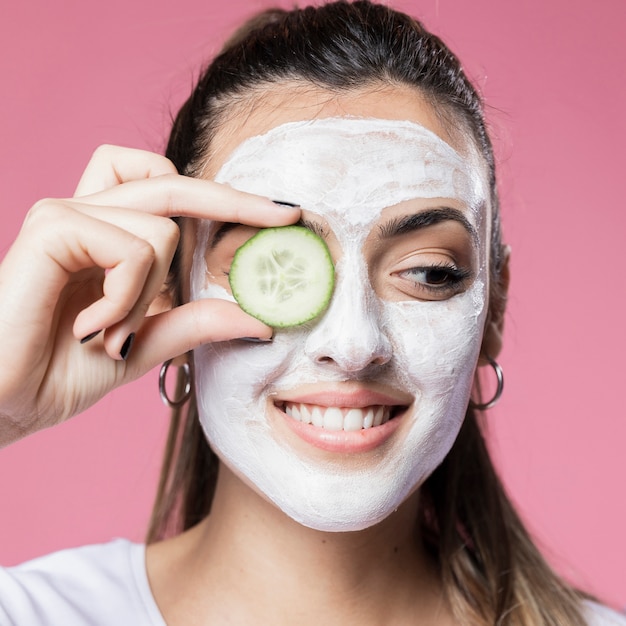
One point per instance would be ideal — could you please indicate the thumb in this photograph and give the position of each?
(169, 334)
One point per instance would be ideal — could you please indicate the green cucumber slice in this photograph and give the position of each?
(283, 276)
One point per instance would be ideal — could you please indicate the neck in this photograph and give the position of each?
(249, 563)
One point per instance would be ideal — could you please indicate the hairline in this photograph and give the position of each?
(225, 109)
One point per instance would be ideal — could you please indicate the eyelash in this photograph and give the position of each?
(452, 280)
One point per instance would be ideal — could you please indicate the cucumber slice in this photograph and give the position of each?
(283, 276)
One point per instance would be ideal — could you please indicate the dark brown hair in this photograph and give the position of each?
(491, 570)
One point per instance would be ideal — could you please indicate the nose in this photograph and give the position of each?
(349, 335)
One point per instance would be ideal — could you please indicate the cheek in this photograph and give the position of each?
(233, 378)
(231, 374)
(436, 347)
(228, 406)
(436, 344)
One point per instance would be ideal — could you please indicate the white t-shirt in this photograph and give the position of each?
(100, 585)
(107, 585)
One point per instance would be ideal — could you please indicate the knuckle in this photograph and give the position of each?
(170, 164)
(142, 251)
(163, 164)
(170, 234)
(102, 152)
(166, 181)
(168, 186)
(46, 210)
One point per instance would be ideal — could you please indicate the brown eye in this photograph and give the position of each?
(438, 281)
(436, 276)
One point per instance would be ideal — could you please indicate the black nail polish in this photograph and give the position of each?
(126, 347)
(90, 336)
(256, 339)
(285, 203)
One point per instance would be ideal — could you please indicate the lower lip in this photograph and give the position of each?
(341, 441)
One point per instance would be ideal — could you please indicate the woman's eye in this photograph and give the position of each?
(431, 276)
(441, 280)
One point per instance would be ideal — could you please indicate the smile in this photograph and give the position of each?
(338, 418)
(342, 429)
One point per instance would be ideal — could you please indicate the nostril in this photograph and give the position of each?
(353, 360)
(324, 359)
(380, 360)
(349, 336)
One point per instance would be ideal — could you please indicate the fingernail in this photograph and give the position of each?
(90, 336)
(126, 347)
(256, 339)
(285, 203)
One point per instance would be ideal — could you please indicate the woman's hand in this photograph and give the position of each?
(95, 263)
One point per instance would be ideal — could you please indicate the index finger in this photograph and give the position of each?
(174, 195)
(110, 166)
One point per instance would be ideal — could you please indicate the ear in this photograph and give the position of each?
(494, 325)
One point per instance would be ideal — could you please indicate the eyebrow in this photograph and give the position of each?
(226, 227)
(423, 219)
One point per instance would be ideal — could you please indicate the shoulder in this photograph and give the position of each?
(599, 615)
(93, 585)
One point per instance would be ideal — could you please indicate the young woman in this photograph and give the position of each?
(330, 472)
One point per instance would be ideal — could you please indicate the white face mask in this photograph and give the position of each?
(347, 170)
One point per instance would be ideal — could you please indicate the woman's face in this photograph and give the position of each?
(338, 421)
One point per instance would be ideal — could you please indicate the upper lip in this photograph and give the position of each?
(342, 396)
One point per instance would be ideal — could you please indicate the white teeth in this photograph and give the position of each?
(378, 416)
(317, 418)
(305, 414)
(353, 420)
(335, 418)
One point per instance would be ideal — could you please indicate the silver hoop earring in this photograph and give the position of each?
(484, 406)
(174, 404)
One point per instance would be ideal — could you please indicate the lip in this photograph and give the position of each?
(344, 442)
(357, 398)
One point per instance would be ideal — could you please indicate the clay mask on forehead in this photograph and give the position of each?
(347, 171)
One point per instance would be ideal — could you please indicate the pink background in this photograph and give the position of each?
(552, 73)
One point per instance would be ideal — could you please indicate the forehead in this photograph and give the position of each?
(294, 101)
(349, 169)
